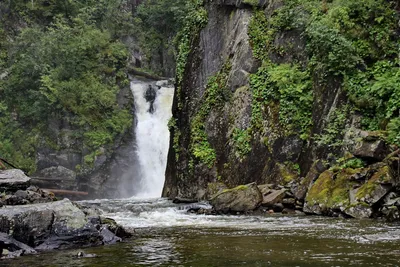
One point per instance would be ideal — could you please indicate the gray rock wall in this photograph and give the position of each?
(275, 157)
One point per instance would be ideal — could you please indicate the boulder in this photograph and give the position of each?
(55, 225)
(299, 188)
(32, 195)
(371, 147)
(7, 243)
(359, 211)
(243, 198)
(13, 180)
(375, 188)
(273, 197)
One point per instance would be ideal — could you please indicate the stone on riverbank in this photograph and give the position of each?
(13, 180)
(243, 198)
(55, 225)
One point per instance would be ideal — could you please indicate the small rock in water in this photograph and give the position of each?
(82, 254)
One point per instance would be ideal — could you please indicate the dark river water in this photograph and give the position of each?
(165, 235)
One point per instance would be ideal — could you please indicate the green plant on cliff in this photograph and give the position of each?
(353, 42)
(242, 142)
(214, 96)
(290, 89)
(195, 20)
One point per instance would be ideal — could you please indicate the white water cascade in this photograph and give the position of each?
(153, 104)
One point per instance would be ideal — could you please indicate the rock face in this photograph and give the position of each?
(55, 225)
(243, 198)
(13, 180)
(231, 125)
(242, 155)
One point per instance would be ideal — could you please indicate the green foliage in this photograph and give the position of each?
(376, 92)
(214, 96)
(354, 40)
(353, 163)
(288, 86)
(242, 142)
(195, 20)
(65, 63)
(394, 131)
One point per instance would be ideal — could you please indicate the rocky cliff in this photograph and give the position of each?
(267, 88)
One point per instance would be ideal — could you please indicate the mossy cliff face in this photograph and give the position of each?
(267, 88)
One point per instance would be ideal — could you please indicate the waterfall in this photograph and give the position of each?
(153, 104)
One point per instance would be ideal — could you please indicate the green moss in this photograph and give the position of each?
(288, 172)
(339, 195)
(287, 88)
(251, 2)
(238, 188)
(319, 192)
(381, 176)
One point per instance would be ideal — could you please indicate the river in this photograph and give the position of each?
(166, 235)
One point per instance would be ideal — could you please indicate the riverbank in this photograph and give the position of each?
(166, 235)
(33, 220)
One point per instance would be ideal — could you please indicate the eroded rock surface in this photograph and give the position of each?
(243, 198)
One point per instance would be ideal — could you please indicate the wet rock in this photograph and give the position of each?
(62, 176)
(265, 189)
(359, 211)
(109, 237)
(371, 147)
(289, 202)
(117, 229)
(82, 254)
(273, 197)
(13, 180)
(179, 200)
(13, 247)
(55, 225)
(215, 188)
(278, 207)
(391, 213)
(392, 199)
(331, 191)
(243, 198)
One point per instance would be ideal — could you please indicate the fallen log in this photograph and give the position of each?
(66, 192)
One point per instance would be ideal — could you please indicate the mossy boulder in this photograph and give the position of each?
(331, 191)
(301, 185)
(354, 192)
(375, 188)
(243, 198)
